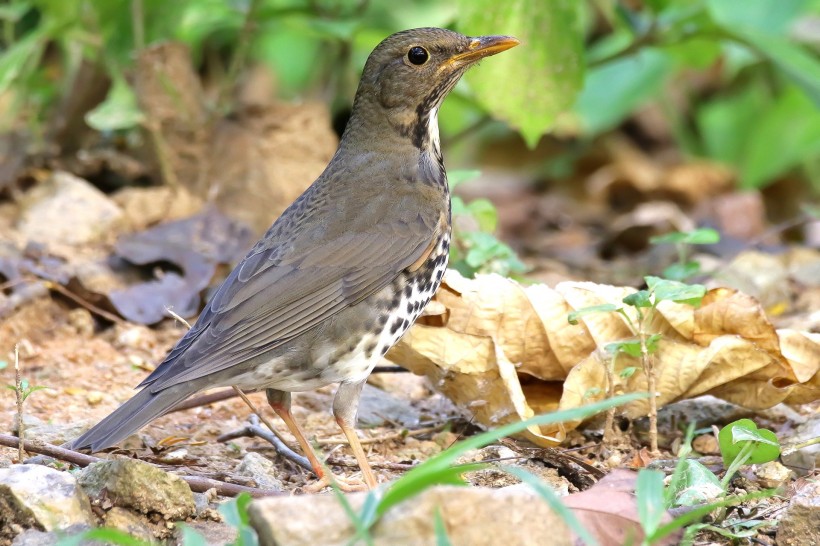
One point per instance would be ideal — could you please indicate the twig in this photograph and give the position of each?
(259, 414)
(18, 388)
(138, 24)
(205, 399)
(240, 52)
(177, 317)
(384, 465)
(252, 429)
(198, 484)
(386, 438)
(651, 383)
(57, 452)
(77, 299)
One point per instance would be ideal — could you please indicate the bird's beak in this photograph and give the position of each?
(481, 47)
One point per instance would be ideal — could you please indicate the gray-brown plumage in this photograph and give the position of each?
(346, 269)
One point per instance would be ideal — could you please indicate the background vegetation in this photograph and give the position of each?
(737, 81)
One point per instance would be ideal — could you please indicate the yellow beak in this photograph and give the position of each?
(483, 46)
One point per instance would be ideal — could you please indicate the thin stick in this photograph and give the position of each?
(379, 439)
(198, 484)
(77, 299)
(177, 317)
(259, 414)
(206, 399)
(18, 388)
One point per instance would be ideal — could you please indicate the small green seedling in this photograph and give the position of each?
(685, 268)
(479, 251)
(645, 344)
(742, 443)
(26, 389)
(235, 514)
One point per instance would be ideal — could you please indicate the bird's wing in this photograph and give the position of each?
(283, 288)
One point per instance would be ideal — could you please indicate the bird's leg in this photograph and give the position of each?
(345, 408)
(280, 402)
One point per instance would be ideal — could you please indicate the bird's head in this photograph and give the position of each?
(409, 73)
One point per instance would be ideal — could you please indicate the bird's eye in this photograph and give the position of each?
(417, 55)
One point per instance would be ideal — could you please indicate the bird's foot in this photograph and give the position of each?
(346, 485)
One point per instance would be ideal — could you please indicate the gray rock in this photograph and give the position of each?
(140, 486)
(800, 525)
(378, 408)
(262, 470)
(810, 455)
(41, 497)
(50, 433)
(470, 516)
(33, 537)
(67, 210)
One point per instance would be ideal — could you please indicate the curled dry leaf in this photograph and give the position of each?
(506, 352)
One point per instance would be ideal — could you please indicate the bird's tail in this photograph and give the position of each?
(141, 409)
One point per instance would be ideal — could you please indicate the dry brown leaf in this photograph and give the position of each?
(609, 511)
(506, 352)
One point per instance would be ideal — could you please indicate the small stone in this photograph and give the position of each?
(706, 444)
(77, 212)
(94, 397)
(129, 522)
(140, 486)
(800, 524)
(772, 475)
(33, 537)
(34, 495)
(378, 408)
(50, 433)
(82, 321)
(214, 533)
(261, 470)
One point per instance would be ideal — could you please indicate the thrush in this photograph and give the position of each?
(345, 270)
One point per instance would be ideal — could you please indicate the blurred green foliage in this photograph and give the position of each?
(584, 67)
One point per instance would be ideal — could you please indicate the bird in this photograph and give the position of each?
(345, 270)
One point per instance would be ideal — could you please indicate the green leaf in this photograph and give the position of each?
(487, 254)
(700, 236)
(485, 214)
(615, 89)
(628, 372)
(119, 110)
(440, 529)
(23, 55)
(649, 493)
(641, 298)
(235, 511)
(459, 176)
(553, 501)
(696, 485)
(735, 436)
(631, 347)
(103, 535)
(14, 11)
(725, 123)
(530, 85)
(767, 16)
(574, 316)
(786, 134)
(682, 271)
(191, 537)
(678, 292)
